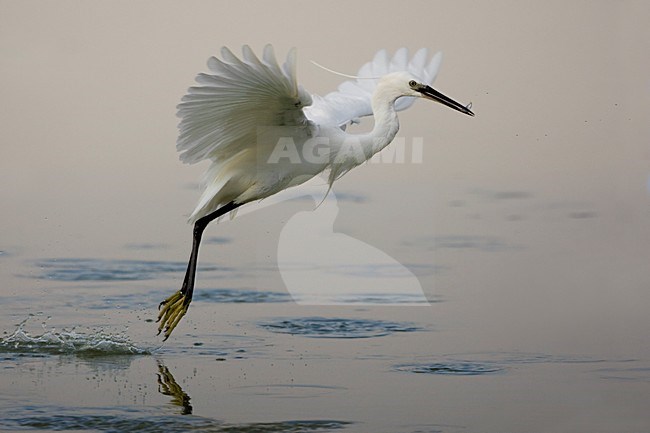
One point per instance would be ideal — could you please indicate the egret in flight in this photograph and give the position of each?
(264, 133)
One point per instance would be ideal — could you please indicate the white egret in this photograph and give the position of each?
(264, 133)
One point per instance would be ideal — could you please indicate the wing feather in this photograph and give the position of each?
(353, 98)
(220, 116)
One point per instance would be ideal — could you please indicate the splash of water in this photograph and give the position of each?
(51, 341)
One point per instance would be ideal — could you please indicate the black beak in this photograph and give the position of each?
(431, 93)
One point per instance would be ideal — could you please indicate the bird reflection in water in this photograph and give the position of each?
(167, 385)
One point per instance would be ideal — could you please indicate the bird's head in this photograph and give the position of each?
(405, 84)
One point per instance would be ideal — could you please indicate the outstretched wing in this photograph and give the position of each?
(352, 100)
(220, 117)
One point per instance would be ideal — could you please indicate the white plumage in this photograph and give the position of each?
(352, 100)
(222, 117)
(264, 133)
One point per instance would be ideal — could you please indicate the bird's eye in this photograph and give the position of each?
(412, 83)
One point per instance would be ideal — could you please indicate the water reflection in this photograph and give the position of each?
(117, 401)
(167, 385)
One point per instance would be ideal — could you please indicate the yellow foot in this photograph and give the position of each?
(172, 311)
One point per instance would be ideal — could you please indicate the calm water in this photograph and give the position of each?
(500, 284)
(509, 337)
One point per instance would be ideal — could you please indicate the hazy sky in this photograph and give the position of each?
(560, 91)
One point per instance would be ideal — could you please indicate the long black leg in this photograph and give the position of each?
(199, 226)
(174, 308)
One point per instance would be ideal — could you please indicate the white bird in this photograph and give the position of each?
(264, 133)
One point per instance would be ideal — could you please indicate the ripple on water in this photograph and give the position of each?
(128, 419)
(221, 296)
(321, 327)
(240, 296)
(72, 269)
(475, 364)
(626, 374)
(452, 368)
(52, 341)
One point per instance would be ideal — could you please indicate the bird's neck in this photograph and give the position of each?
(386, 122)
(356, 149)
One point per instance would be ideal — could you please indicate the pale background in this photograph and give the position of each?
(543, 197)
